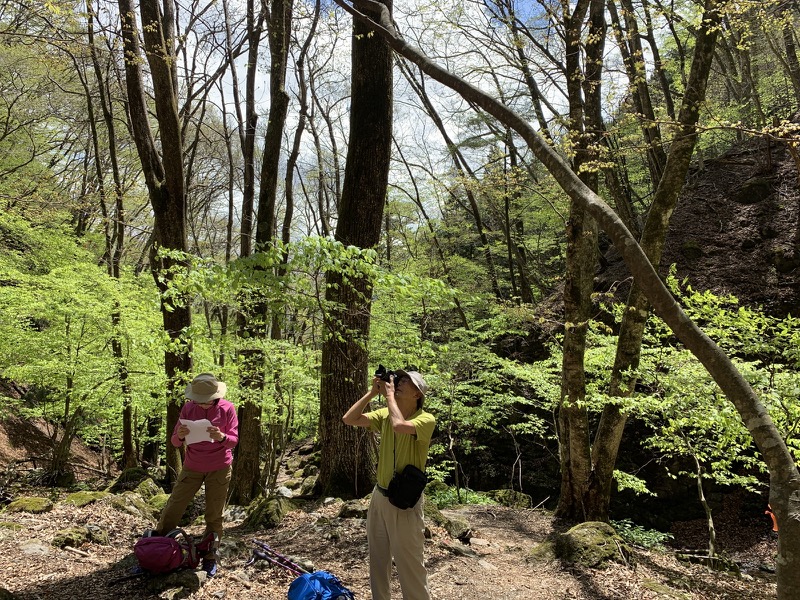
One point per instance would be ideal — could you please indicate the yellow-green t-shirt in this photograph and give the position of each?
(401, 449)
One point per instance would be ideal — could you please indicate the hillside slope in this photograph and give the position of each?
(735, 229)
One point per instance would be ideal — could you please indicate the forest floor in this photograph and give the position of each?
(495, 563)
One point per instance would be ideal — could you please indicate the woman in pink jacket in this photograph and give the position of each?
(206, 462)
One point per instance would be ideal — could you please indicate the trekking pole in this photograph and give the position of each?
(280, 558)
(258, 554)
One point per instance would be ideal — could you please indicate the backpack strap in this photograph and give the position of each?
(191, 559)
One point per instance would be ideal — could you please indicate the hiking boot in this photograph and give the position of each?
(210, 567)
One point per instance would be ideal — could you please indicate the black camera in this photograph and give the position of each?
(384, 375)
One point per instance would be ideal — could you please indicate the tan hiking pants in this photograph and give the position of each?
(188, 484)
(399, 534)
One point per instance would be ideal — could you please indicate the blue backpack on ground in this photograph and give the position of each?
(319, 585)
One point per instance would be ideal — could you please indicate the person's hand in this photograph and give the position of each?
(215, 433)
(183, 431)
(389, 386)
(377, 385)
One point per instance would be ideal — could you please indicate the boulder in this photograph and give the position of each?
(267, 513)
(511, 498)
(354, 509)
(591, 544)
(31, 504)
(79, 499)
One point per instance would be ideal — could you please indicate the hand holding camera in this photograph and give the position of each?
(385, 375)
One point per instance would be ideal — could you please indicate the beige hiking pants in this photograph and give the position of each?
(399, 534)
(188, 484)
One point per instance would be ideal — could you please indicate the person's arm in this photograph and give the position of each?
(231, 433)
(355, 415)
(180, 431)
(228, 435)
(399, 423)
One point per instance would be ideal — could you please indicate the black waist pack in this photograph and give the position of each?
(405, 488)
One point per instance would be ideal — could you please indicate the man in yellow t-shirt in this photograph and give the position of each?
(406, 431)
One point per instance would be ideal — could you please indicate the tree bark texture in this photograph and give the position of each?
(784, 476)
(165, 182)
(583, 89)
(348, 453)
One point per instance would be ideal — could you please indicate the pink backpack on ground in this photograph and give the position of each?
(159, 554)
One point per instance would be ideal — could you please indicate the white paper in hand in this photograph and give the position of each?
(197, 431)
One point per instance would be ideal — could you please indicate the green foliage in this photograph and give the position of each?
(448, 497)
(55, 307)
(481, 396)
(626, 481)
(636, 535)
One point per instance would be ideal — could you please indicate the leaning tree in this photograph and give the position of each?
(784, 493)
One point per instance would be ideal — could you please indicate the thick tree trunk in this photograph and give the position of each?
(163, 173)
(348, 453)
(784, 476)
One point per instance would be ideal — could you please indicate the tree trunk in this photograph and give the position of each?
(583, 88)
(784, 476)
(633, 56)
(612, 421)
(791, 56)
(163, 173)
(115, 236)
(348, 453)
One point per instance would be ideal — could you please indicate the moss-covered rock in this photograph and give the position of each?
(83, 498)
(436, 487)
(511, 498)
(294, 464)
(591, 544)
(310, 469)
(543, 553)
(74, 537)
(267, 513)
(310, 486)
(133, 504)
(455, 525)
(159, 501)
(354, 509)
(128, 480)
(98, 535)
(458, 528)
(148, 488)
(10, 525)
(77, 536)
(30, 504)
(432, 512)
